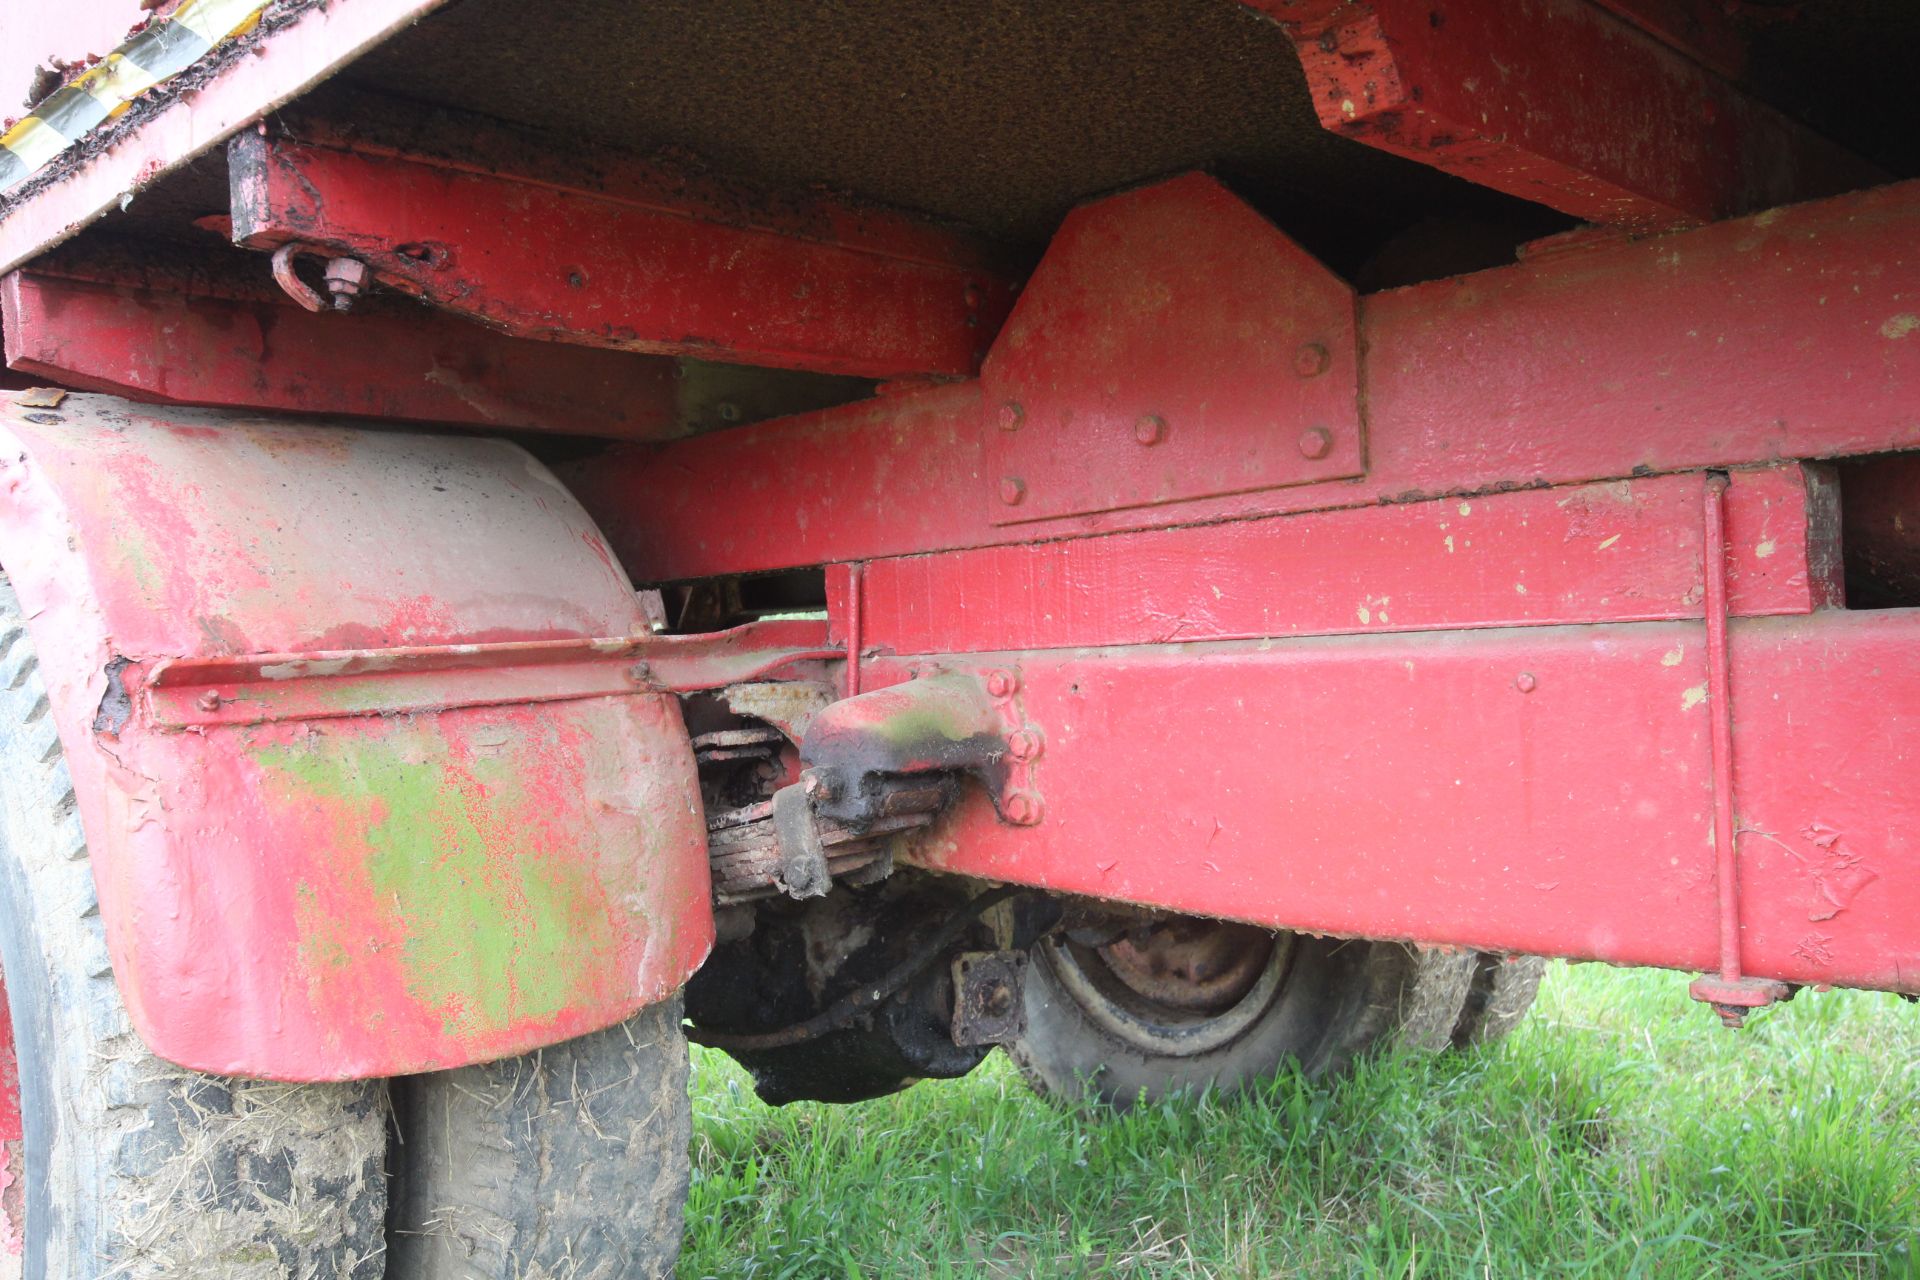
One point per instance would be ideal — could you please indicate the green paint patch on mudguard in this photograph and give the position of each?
(491, 923)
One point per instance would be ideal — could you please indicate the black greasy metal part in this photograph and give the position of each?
(859, 749)
(794, 1001)
(989, 1002)
(803, 856)
(850, 1006)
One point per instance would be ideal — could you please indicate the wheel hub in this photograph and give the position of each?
(1178, 987)
(1190, 964)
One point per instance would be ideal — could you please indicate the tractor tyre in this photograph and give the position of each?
(112, 1162)
(1189, 1004)
(1503, 990)
(568, 1161)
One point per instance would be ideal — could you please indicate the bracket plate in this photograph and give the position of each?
(1172, 345)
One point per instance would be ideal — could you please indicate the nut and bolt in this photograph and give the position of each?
(1013, 490)
(1002, 684)
(1311, 360)
(1316, 443)
(1012, 415)
(1150, 428)
(208, 701)
(1023, 808)
(345, 278)
(640, 673)
(1525, 682)
(1023, 744)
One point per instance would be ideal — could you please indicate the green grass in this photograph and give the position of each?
(1619, 1132)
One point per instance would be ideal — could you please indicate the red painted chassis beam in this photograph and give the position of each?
(172, 343)
(1542, 791)
(1559, 102)
(1625, 551)
(1795, 334)
(637, 263)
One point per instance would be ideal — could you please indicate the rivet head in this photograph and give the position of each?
(1002, 684)
(1023, 808)
(208, 701)
(1316, 443)
(1525, 682)
(1150, 428)
(1311, 360)
(1013, 490)
(639, 673)
(1012, 415)
(1023, 745)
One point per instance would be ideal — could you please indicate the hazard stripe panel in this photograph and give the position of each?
(152, 55)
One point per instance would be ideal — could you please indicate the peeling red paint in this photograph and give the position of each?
(248, 866)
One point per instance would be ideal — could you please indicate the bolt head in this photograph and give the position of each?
(345, 278)
(1002, 684)
(208, 701)
(1525, 682)
(1311, 360)
(1012, 415)
(1013, 490)
(1150, 428)
(1023, 745)
(640, 673)
(1023, 808)
(1316, 443)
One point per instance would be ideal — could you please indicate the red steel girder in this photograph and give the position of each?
(1544, 791)
(168, 338)
(1701, 29)
(641, 262)
(1558, 102)
(1792, 334)
(1623, 551)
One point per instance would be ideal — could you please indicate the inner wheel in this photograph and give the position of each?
(1189, 964)
(1180, 986)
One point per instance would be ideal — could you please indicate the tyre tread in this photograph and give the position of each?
(157, 1171)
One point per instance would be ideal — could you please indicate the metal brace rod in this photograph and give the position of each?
(1730, 994)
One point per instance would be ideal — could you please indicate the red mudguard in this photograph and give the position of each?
(369, 782)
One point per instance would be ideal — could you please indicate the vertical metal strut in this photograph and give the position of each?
(1730, 994)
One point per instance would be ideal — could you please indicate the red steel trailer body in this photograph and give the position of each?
(860, 535)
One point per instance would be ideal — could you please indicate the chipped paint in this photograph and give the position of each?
(326, 875)
(1838, 871)
(1693, 697)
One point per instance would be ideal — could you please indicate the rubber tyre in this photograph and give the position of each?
(568, 1162)
(1503, 990)
(1336, 1001)
(136, 1168)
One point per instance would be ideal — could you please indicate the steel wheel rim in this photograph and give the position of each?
(1104, 983)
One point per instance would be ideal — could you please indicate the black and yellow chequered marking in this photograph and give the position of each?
(101, 92)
